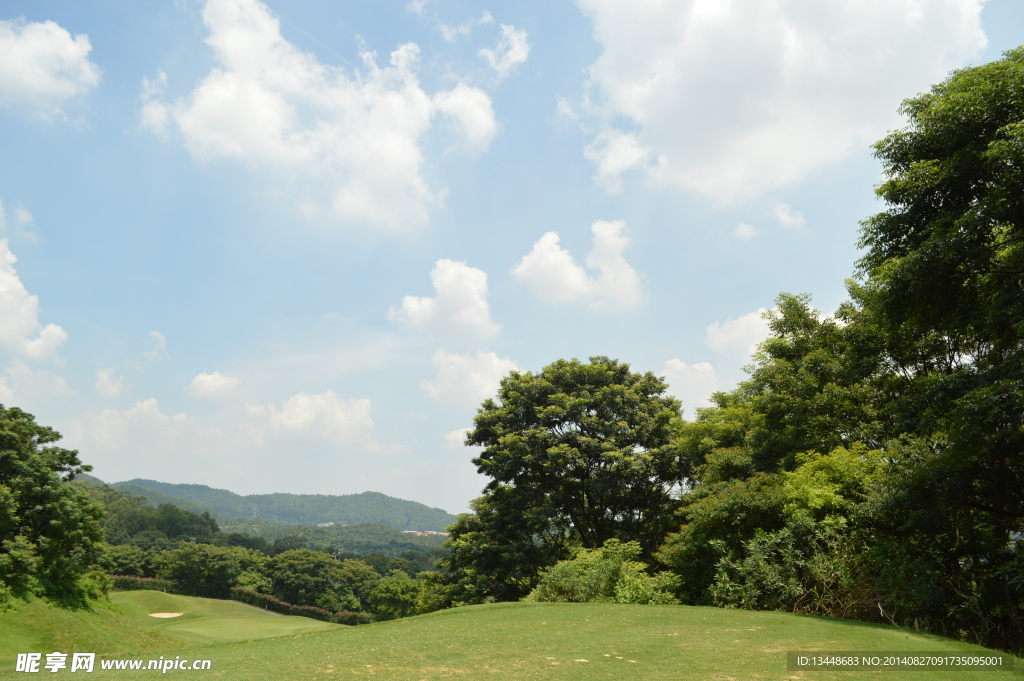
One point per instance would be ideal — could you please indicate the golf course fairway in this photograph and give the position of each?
(558, 641)
(207, 620)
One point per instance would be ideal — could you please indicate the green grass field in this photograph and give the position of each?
(206, 620)
(505, 641)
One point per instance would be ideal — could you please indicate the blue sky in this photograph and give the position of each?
(290, 246)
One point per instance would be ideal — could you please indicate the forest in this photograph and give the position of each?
(870, 466)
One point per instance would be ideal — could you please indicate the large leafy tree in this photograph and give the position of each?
(49, 531)
(594, 440)
(578, 454)
(943, 280)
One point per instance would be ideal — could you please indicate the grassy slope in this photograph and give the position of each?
(38, 627)
(206, 620)
(548, 641)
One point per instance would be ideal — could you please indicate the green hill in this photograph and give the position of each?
(296, 509)
(554, 641)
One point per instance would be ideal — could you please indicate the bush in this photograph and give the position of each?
(134, 583)
(268, 602)
(605, 575)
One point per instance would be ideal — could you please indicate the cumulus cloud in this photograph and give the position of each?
(20, 225)
(470, 109)
(215, 386)
(459, 308)
(553, 275)
(745, 232)
(157, 347)
(452, 32)
(22, 386)
(691, 383)
(143, 422)
(788, 217)
(513, 49)
(455, 439)
(323, 416)
(20, 331)
(733, 99)
(42, 66)
(614, 152)
(467, 378)
(738, 336)
(107, 385)
(340, 144)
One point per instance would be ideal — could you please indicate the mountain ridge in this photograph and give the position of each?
(298, 509)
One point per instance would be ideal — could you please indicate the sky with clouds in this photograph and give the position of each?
(289, 246)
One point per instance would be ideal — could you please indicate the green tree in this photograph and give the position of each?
(207, 570)
(306, 577)
(605, 575)
(49, 531)
(942, 278)
(497, 552)
(394, 596)
(594, 439)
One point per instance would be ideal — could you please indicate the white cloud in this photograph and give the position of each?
(143, 422)
(467, 378)
(737, 98)
(459, 308)
(456, 438)
(323, 416)
(157, 347)
(42, 66)
(470, 108)
(339, 144)
(788, 217)
(154, 114)
(22, 386)
(20, 330)
(745, 232)
(416, 6)
(615, 152)
(738, 336)
(512, 50)
(22, 220)
(215, 386)
(691, 383)
(107, 385)
(451, 32)
(553, 275)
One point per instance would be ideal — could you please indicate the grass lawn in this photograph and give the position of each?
(207, 620)
(39, 627)
(566, 641)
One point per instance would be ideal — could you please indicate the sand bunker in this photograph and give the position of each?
(166, 614)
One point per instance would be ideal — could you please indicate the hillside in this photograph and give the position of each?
(294, 509)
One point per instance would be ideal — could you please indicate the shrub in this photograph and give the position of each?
(605, 575)
(134, 583)
(268, 602)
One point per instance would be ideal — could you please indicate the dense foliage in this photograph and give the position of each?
(870, 466)
(605, 575)
(49, 532)
(577, 454)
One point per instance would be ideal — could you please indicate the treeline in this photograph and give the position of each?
(52, 532)
(872, 465)
(132, 519)
(298, 509)
(334, 587)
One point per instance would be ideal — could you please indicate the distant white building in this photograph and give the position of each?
(324, 524)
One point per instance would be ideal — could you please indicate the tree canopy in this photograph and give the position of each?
(49, 531)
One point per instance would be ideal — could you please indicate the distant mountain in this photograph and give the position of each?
(295, 509)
